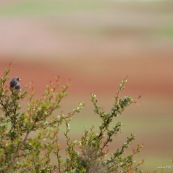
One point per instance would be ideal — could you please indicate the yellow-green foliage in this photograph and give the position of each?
(30, 139)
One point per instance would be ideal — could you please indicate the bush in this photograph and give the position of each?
(30, 140)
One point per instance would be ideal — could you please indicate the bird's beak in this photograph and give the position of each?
(20, 79)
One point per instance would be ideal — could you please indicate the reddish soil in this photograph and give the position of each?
(146, 76)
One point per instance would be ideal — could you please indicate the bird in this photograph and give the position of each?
(15, 85)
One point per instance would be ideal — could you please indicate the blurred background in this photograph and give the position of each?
(96, 43)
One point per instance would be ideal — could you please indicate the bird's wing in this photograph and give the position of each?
(13, 84)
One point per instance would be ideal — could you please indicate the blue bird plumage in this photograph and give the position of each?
(15, 85)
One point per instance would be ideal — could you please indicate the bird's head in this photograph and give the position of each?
(17, 78)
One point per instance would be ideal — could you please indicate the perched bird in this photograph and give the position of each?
(15, 85)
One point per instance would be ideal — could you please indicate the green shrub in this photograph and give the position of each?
(30, 140)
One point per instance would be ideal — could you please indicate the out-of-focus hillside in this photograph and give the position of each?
(86, 29)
